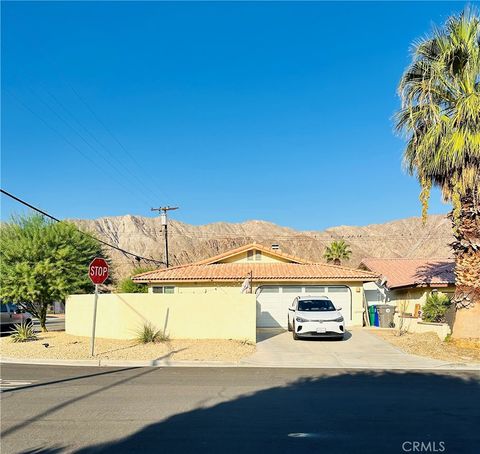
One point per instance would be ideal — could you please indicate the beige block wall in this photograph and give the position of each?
(206, 316)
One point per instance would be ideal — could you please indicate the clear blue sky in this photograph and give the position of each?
(234, 111)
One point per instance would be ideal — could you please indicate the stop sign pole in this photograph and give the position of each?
(98, 273)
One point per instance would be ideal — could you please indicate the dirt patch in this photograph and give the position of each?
(65, 346)
(429, 345)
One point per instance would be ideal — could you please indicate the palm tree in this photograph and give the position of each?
(440, 119)
(337, 251)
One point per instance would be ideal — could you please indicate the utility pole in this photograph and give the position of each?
(163, 219)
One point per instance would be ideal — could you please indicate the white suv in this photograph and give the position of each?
(315, 316)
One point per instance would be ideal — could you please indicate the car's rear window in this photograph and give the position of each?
(315, 305)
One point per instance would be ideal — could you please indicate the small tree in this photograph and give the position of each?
(436, 307)
(337, 251)
(126, 285)
(402, 326)
(42, 262)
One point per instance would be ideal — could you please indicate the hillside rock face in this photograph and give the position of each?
(189, 243)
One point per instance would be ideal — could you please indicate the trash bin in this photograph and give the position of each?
(385, 315)
(371, 315)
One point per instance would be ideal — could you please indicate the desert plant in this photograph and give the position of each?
(148, 333)
(440, 118)
(436, 307)
(337, 251)
(23, 332)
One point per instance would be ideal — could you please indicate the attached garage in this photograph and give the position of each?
(273, 301)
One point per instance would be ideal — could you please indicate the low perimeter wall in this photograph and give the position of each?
(181, 316)
(416, 325)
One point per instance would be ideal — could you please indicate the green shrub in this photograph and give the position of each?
(148, 333)
(436, 307)
(126, 285)
(23, 332)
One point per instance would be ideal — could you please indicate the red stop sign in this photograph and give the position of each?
(98, 270)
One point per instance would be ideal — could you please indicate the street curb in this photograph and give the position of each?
(116, 363)
(166, 363)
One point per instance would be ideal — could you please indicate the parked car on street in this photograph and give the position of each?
(11, 314)
(315, 317)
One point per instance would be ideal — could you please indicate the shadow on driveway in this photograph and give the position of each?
(267, 333)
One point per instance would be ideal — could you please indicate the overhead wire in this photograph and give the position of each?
(69, 142)
(53, 218)
(126, 171)
(109, 131)
(151, 189)
(111, 169)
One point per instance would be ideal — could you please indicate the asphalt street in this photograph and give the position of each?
(53, 323)
(49, 409)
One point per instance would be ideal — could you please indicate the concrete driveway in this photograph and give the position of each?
(360, 349)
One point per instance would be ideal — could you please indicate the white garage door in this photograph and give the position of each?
(273, 302)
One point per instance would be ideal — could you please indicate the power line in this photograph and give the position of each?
(107, 129)
(121, 165)
(304, 237)
(150, 188)
(53, 218)
(291, 238)
(74, 146)
(69, 142)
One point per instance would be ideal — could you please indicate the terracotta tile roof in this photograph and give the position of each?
(412, 272)
(261, 272)
(249, 247)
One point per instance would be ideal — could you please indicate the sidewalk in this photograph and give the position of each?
(276, 349)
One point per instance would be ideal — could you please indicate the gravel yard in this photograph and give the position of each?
(429, 345)
(65, 346)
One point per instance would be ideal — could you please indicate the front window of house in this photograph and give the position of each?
(165, 289)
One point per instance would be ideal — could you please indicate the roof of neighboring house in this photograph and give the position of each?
(210, 270)
(400, 272)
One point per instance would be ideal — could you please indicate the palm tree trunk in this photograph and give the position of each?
(466, 248)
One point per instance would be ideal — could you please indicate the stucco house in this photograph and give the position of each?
(274, 277)
(406, 283)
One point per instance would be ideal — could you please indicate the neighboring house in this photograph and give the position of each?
(407, 282)
(276, 279)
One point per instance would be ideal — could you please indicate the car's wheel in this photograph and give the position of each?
(289, 326)
(295, 335)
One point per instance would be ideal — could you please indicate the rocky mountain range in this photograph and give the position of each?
(188, 243)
